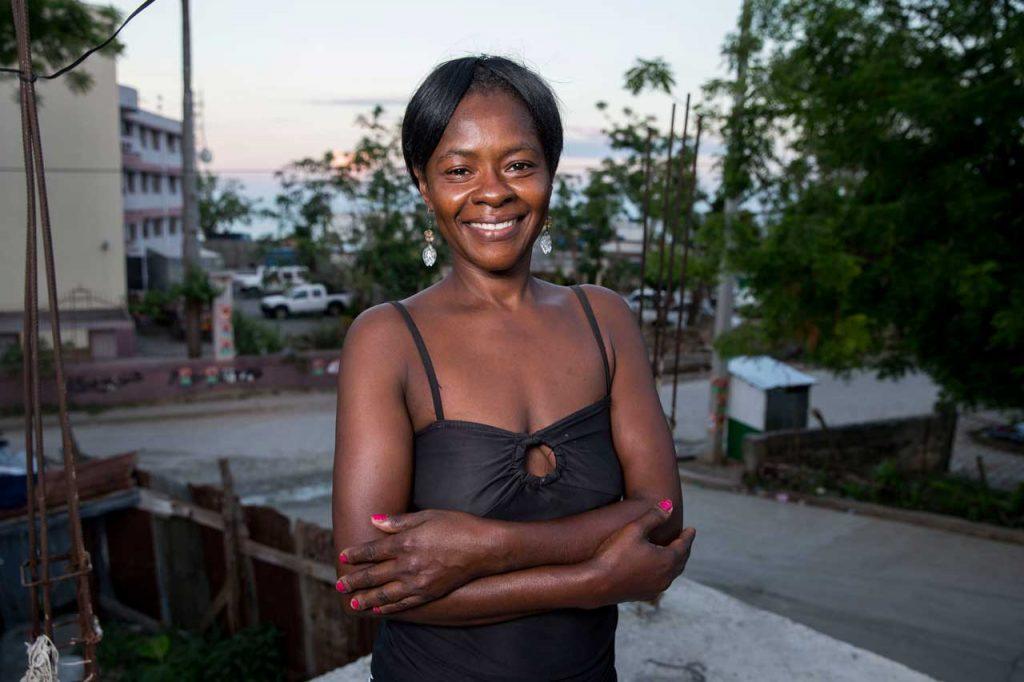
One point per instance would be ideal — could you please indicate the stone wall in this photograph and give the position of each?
(916, 444)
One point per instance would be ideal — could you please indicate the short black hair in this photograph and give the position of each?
(431, 107)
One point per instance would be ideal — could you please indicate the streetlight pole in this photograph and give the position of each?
(190, 205)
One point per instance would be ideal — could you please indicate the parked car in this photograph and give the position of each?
(306, 299)
(270, 279)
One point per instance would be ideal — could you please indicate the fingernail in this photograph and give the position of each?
(342, 558)
(666, 504)
(379, 517)
(354, 603)
(376, 609)
(340, 586)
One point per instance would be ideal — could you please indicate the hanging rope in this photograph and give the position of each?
(43, 660)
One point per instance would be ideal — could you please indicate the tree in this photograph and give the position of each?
(61, 30)
(890, 169)
(391, 218)
(303, 208)
(222, 205)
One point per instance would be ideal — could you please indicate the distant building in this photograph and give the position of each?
(83, 176)
(151, 186)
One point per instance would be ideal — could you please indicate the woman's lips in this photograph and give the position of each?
(494, 231)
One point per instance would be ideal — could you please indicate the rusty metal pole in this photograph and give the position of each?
(667, 190)
(682, 270)
(647, 215)
(666, 285)
(79, 560)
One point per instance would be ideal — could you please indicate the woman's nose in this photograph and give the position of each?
(493, 189)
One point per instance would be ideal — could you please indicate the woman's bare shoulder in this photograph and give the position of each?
(609, 305)
(370, 342)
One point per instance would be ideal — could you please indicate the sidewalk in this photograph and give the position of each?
(698, 634)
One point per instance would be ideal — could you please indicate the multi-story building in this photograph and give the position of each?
(83, 175)
(151, 186)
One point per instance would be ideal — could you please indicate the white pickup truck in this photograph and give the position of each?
(305, 299)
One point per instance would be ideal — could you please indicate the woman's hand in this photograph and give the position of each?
(429, 554)
(628, 567)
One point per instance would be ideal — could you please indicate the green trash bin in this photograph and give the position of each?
(764, 395)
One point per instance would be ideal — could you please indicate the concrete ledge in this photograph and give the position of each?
(698, 633)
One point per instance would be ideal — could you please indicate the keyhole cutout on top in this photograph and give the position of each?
(540, 460)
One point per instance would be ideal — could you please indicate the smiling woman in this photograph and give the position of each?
(503, 474)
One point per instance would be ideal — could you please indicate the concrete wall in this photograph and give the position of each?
(138, 380)
(921, 444)
(82, 154)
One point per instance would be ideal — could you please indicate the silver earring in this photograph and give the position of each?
(545, 237)
(429, 254)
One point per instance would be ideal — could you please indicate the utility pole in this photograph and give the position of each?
(190, 204)
(726, 284)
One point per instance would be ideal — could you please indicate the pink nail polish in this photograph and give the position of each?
(379, 517)
(340, 586)
(354, 603)
(342, 559)
(376, 609)
(666, 504)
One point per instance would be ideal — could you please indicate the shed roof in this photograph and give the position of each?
(766, 373)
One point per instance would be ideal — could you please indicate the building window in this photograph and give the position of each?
(129, 181)
(131, 232)
(172, 226)
(156, 184)
(144, 177)
(172, 142)
(127, 128)
(156, 139)
(142, 136)
(145, 228)
(172, 184)
(158, 227)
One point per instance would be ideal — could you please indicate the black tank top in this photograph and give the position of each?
(481, 469)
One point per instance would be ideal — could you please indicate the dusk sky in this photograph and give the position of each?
(280, 81)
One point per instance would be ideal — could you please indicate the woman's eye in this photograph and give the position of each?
(459, 172)
(520, 166)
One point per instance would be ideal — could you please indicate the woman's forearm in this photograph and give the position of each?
(572, 539)
(497, 598)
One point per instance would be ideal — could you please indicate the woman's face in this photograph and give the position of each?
(487, 181)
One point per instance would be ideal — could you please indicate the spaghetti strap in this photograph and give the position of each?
(585, 302)
(435, 389)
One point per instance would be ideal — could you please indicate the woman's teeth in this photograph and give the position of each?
(493, 226)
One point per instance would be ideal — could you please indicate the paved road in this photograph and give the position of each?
(944, 604)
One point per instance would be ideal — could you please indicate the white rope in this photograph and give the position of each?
(42, 661)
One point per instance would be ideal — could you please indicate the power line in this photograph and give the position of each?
(33, 77)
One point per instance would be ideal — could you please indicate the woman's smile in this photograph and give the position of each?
(495, 229)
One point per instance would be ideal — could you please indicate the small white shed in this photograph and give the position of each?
(764, 395)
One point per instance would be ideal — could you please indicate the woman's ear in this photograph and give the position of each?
(421, 185)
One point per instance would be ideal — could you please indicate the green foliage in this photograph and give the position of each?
(883, 140)
(61, 30)
(944, 494)
(254, 654)
(154, 305)
(303, 207)
(655, 74)
(255, 337)
(195, 286)
(388, 234)
(222, 204)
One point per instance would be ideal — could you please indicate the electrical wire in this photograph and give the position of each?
(57, 74)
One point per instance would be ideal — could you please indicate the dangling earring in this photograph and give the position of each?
(545, 237)
(429, 254)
